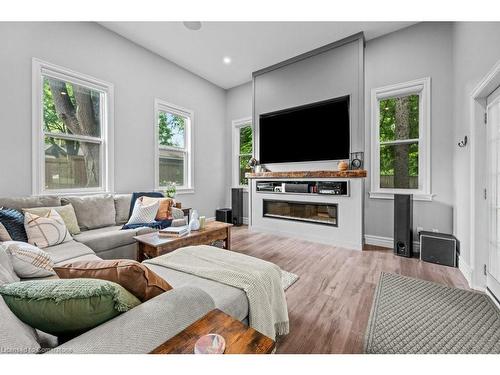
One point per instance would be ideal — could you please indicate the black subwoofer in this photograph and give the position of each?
(237, 205)
(439, 248)
(224, 215)
(403, 224)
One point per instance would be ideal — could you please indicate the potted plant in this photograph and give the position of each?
(170, 189)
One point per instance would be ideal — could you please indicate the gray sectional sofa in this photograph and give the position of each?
(146, 326)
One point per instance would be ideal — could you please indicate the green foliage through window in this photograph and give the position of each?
(245, 152)
(171, 129)
(399, 133)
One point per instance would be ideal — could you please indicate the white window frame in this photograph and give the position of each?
(42, 69)
(237, 125)
(422, 88)
(163, 106)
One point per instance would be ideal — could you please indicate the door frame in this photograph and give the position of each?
(478, 252)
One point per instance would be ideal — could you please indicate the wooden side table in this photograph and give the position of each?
(152, 245)
(240, 339)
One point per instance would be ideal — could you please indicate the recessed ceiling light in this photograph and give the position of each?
(192, 25)
(226, 60)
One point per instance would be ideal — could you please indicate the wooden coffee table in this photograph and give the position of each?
(152, 245)
(240, 339)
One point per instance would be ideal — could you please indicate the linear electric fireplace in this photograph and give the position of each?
(318, 213)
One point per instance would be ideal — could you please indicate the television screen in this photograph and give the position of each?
(313, 132)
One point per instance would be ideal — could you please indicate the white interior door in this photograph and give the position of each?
(493, 150)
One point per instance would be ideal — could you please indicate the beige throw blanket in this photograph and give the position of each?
(260, 280)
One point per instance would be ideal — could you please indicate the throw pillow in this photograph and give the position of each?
(66, 307)
(93, 211)
(4, 235)
(29, 261)
(135, 196)
(164, 208)
(67, 213)
(133, 276)
(47, 230)
(13, 221)
(143, 213)
(7, 273)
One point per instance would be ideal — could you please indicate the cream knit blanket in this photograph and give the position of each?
(260, 280)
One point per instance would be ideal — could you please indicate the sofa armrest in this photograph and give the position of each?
(145, 327)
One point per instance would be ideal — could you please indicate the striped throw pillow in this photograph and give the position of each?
(29, 261)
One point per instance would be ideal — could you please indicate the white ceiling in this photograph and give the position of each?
(251, 45)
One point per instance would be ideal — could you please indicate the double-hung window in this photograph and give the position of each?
(401, 140)
(72, 131)
(174, 159)
(242, 150)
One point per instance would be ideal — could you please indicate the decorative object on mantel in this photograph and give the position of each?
(359, 173)
(261, 168)
(194, 224)
(210, 344)
(356, 160)
(463, 142)
(342, 166)
(252, 163)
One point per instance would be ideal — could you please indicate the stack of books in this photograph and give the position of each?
(174, 231)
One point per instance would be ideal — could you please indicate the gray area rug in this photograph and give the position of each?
(416, 316)
(287, 279)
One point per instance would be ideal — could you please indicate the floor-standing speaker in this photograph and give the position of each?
(237, 205)
(403, 224)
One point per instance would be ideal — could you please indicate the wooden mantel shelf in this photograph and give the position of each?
(360, 173)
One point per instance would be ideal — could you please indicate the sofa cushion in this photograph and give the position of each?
(16, 337)
(231, 300)
(13, 221)
(130, 274)
(68, 251)
(67, 213)
(28, 202)
(106, 238)
(47, 230)
(93, 211)
(29, 261)
(4, 235)
(122, 207)
(67, 307)
(164, 208)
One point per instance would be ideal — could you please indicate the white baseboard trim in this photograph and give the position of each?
(245, 220)
(387, 242)
(466, 270)
(210, 218)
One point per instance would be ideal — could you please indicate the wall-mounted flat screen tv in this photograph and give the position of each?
(313, 132)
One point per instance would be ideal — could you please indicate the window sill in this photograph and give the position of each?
(70, 193)
(390, 195)
(185, 191)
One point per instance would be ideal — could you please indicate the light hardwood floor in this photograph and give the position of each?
(330, 304)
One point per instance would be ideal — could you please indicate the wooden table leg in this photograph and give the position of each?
(140, 252)
(228, 238)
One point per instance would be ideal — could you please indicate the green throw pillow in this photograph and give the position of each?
(65, 307)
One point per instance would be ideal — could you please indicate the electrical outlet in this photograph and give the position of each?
(435, 230)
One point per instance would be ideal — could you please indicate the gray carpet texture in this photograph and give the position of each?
(411, 316)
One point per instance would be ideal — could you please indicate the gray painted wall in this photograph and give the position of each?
(416, 52)
(138, 77)
(331, 74)
(476, 49)
(238, 106)
(422, 50)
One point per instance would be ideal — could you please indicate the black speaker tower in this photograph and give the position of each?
(237, 205)
(403, 225)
